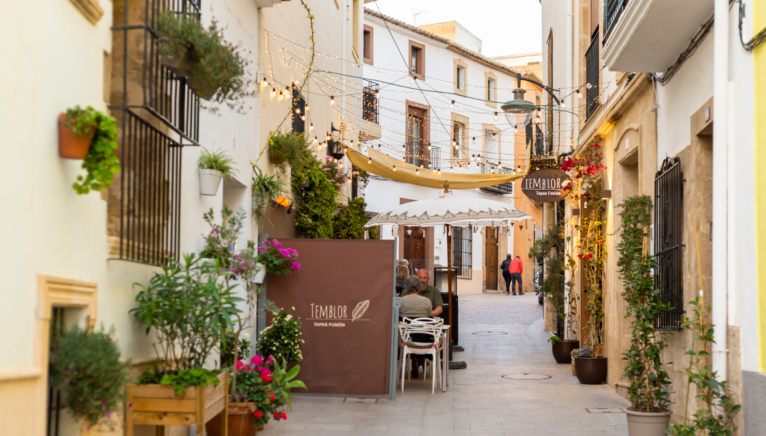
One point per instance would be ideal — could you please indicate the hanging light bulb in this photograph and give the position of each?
(450, 169)
(588, 86)
(579, 95)
(495, 116)
(311, 126)
(297, 110)
(303, 117)
(500, 166)
(474, 141)
(440, 172)
(394, 167)
(563, 105)
(377, 94)
(369, 160)
(417, 171)
(307, 108)
(452, 104)
(332, 100)
(515, 130)
(412, 81)
(273, 92)
(280, 96)
(264, 82)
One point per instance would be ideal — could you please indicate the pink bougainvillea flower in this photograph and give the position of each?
(261, 249)
(256, 360)
(267, 243)
(258, 414)
(296, 265)
(242, 365)
(277, 244)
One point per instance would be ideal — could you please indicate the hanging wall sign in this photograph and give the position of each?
(546, 185)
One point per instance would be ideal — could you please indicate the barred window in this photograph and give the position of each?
(462, 240)
(668, 219)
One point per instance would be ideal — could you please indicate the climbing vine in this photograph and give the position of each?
(589, 243)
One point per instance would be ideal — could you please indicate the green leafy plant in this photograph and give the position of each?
(269, 385)
(218, 161)
(278, 260)
(243, 348)
(220, 242)
(101, 163)
(315, 200)
(551, 248)
(645, 368)
(265, 190)
(86, 365)
(282, 339)
(217, 70)
(188, 309)
(289, 149)
(349, 222)
(196, 377)
(716, 415)
(335, 171)
(554, 339)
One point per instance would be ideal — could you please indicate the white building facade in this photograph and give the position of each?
(438, 109)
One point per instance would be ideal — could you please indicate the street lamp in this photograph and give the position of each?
(518, 112)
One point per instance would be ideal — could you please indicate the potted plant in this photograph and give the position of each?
(590, 365)
(315, 199)
(278, 260)
(551, 248)
(86, 366)
(265, 190)
(649, 414)
(92, 136)
(715, 406)
(188, 309)
(289, 149)
(212, 168)
(215, 69)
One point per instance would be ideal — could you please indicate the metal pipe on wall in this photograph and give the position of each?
(720, 183)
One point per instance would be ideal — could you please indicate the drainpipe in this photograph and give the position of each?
(569, 53)
(720, 176)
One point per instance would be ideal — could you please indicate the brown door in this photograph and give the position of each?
(415, 247)
(490, 251)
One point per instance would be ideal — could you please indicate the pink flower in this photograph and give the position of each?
(265, 371)
(277, 244)
(276, 415)
(285, 253)
(270, 359)
(258, 414)
(283, 415)
(261, 249)
(273, 398)
(256, 360)
(296, 266)
(241, 365)
(266, 378)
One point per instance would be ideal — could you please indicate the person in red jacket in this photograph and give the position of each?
(516, 268)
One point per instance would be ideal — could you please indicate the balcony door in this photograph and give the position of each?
(490, 251)
(417, 135)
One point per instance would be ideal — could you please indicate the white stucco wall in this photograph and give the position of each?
(558, 23)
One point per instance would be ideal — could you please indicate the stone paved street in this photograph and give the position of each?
(502, 336)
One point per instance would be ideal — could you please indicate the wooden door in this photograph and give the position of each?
(490, 256)
(415, 247)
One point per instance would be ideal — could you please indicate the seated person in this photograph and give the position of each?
(414, 304)
(401, 276)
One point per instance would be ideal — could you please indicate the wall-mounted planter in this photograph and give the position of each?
(209, 180)
(72, 146)
(261, 274)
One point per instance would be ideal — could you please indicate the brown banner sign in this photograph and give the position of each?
(545, 185)
(343, 295)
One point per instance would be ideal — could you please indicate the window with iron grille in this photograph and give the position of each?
(457, 135)
(504, 188)
(436, 154)
(299, 112)
(370, 102)
(150, 192)
(593, 71)
(462, 240)
(668, 222)
(612, 11)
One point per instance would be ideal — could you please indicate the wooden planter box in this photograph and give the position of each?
(159, 405)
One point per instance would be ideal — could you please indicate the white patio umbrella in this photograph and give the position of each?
(450, 210)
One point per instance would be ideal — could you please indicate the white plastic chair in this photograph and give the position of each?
(421, 326)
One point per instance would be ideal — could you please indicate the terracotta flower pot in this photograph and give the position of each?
(591, 370)
(562, 350)
(72, 146)
(241, 421)
(648, 423)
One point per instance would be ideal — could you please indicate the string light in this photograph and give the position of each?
(264, 82)
(452, 104)
(394, 167)
(412, 81)
(332, 100)
(307, 108)
(495, 116)
(273, 92)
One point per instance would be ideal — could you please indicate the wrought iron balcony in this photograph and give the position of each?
(612, 11)
(370, 102)
(505, 188)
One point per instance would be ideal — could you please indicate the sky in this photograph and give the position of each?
(504, 26)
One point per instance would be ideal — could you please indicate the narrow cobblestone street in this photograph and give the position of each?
(512, 387)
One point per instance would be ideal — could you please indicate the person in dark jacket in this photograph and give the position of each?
(506, 273)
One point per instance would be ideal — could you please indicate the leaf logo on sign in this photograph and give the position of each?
(359, 310)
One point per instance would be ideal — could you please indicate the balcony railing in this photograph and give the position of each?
(148, 87)
(505, 188)
(612, 11)
(370, 102)
(436, 155)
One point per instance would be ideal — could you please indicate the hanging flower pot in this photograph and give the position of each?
(72, 146)
(209, 181)
(180, 66)
(261, 274)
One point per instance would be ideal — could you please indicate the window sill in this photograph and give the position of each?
(90, 9)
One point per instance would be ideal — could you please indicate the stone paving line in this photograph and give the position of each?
(479, 401)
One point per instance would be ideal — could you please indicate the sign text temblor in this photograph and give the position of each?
(546, 185)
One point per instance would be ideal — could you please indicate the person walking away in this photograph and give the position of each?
(515, 270)
(429, 292)
(401, 276)
(506, 273)
(415, 305)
